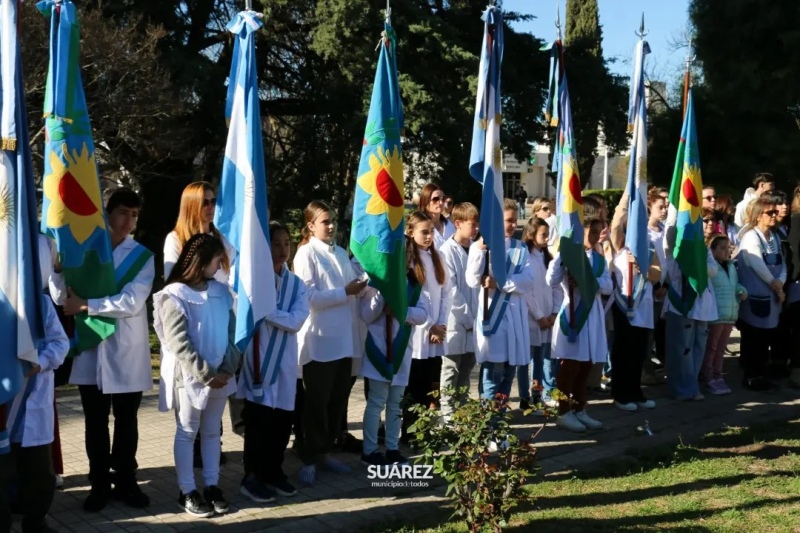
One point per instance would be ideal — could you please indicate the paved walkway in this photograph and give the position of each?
(349, 503)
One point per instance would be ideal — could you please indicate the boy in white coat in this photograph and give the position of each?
(117, 371)
(30, 424)
(503, 340)
(459, 358)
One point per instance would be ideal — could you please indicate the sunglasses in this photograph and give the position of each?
(708, 220)
(209, 201)
(771, 212)
(437, 199)
(545, 208)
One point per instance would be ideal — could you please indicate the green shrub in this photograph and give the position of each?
(483, 486)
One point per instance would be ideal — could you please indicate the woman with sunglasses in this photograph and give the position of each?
(196, 215)
(431, 202)
(762, 271)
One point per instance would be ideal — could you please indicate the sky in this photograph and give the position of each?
(664, 19)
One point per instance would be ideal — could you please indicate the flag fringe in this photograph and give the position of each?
(8, 144)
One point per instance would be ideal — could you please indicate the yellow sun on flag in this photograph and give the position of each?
(691, 191)
(74, 193)
(384, 183)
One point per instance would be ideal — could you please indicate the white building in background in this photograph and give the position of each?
(531, 175)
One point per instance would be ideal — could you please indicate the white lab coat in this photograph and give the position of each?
(289, 318)
(208, 314)
(448, 230)
(705, 305)
(371, 312)
(590, 343)
(121, 363)
(31, 417)
(643, 307)
(172, 250)
(331, 331)
(511, 343)
(543, 301)
(47, 257)
(460, 337)
(440, 299)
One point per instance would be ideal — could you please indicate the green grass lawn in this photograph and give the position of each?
(739, 480)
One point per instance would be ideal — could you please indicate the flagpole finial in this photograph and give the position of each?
(388, 11)
(641, 31)
(558, 20)
(248, 5)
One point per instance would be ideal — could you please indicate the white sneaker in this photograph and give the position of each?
(494, 447)
(570, 423)
(59, 481)
(588, 421)
(551, 403)
(626, 406)
(647, 404)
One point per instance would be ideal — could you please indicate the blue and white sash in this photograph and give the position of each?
(499, 305)
(273, 355)
(583, 308)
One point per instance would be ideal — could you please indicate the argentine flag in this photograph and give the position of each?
(241, 214)
(485, 165)
(21, 311)
(636, 237)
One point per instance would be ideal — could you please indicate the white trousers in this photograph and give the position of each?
(190, 422)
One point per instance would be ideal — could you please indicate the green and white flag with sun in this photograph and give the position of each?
(72, 210)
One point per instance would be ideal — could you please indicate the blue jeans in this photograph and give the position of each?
(685, 353)
(542, 369)
(496, 379)
(382, 395)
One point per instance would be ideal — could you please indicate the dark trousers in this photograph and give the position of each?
(33, 469)
(236, 411)
(58, 459)
(422, 380)
(661, 339)
(327, 387)
(755, 344)
(627, 358)
(571, 380)
(792, 313)
(266, 435)
(103, 455)
(347, 406)
(299, 402)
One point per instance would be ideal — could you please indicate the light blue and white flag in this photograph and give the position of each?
(21, 309)
(636, 238)
(485, 164)
(241, 214)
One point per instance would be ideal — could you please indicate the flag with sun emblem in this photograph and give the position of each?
(685, 209)
(569, 200)
(377, 238)
(21, 311)
(72, 208)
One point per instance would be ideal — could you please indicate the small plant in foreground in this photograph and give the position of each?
(483, 485)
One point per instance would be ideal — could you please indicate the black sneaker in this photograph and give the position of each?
(131, 495)
(284, 488)
(524, 405)
(394, 457)
(196, 505)
(376, 458)
(256, 491)
(97, 500)
(213, 495)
